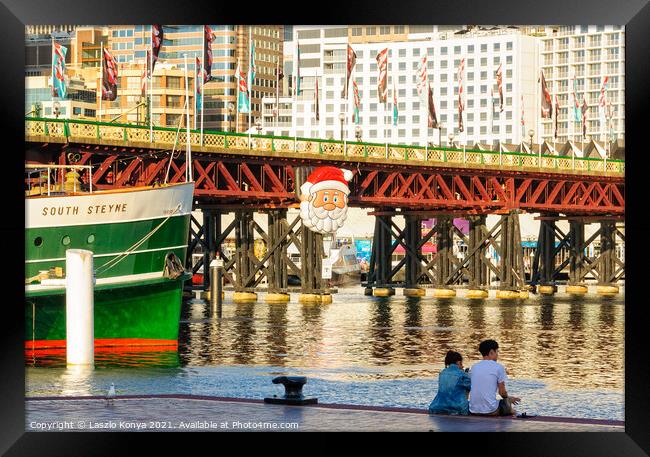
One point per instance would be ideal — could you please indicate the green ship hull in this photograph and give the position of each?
(136, 303)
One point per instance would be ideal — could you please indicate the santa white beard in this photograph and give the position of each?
(321, 220)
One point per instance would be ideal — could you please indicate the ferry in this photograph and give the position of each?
(138, 237)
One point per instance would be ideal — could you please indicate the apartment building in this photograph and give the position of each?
(588, 52)
(323, 56)
(230, 44)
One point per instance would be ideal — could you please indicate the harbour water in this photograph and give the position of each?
(564, 356)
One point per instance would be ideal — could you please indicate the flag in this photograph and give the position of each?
(577, 115)
(144, 76)
(584, 109)
(243, 103)
(602, 103)
(432, 121)
(352, 60)
(198, 81)
(461, 107)
(395, 113)
(500, 87)
(557, 114)
(316, 100)
(156, 43)
(297, 85)
(382, 84)
(58, 70)
(109, 77)
(207, 53)
(357, 103)
(422, 77)
(546, 98)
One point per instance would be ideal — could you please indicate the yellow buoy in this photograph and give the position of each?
(444, 293)
(414, 292)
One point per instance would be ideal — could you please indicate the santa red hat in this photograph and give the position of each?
(327, 178)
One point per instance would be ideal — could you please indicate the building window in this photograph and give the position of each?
(357, 31)
(443, 50)
(470, 49)
(484, 47)
(497, 46)
(402, 53)
(384, 30)
(456, 50)
(399, 29)
(370, 30)
(416, 52)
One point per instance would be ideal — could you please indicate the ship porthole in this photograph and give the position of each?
(65, 240)
(38, 241)
(91, 238)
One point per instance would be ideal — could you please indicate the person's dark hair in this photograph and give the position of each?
(452, 357)
(486, 346)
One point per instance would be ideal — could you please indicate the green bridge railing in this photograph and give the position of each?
(64, 130)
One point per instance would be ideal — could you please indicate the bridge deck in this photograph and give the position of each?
(43, 130)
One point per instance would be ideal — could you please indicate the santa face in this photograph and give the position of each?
(325, 211)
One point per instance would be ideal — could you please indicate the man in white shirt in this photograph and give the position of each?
(487, 378)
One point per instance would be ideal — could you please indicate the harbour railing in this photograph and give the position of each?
(69, 130)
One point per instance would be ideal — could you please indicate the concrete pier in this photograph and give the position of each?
(244, 297)
(199, 413)
(444, 293)
(79, 307)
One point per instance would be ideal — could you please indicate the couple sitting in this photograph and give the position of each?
(481, 384)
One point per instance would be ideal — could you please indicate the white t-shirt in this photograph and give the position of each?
(483, 395)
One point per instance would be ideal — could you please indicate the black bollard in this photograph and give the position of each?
(292, 392)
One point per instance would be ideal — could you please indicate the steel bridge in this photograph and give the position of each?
(244, 174)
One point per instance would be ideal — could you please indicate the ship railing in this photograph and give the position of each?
(42, 174)
(72, 130)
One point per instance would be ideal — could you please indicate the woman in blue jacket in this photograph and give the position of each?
(453, 388)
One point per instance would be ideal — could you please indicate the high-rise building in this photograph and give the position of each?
(589, 53)
(230, 44)
(323, 56)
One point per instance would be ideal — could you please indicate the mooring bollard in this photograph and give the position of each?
(216, 286)
(79, 307)
(292, 392)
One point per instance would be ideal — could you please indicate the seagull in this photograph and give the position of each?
(110, 396)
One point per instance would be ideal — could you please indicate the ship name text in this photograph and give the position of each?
(91, 209)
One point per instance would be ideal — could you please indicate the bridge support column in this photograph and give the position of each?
(277, 267)
(607, 262)
(476, 251)
(412, 238)
(444, 254)
(379, 274)
(544, 260)
(312, 289)
(577, 258)
(511, 279)
(244, 241)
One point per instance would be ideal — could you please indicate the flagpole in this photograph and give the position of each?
(250, 81)
(237, 76)
(150, 83)
(203, 70)
(53, 70)
(196, 93)
(101, 80)
(188, 153)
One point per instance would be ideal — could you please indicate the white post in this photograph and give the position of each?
(79, 307)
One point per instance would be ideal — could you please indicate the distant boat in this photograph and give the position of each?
(346, 269)
(138, 237)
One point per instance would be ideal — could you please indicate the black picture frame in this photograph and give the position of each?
(634, 14)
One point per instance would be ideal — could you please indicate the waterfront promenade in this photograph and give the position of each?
(202, 413)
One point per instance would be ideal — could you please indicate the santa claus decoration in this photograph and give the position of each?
(324, 199)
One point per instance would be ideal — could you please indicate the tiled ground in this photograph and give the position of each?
(191, 414)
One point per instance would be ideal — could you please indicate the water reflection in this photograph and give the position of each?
(563, 342)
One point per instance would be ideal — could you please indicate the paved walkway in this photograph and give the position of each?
(196, 413)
